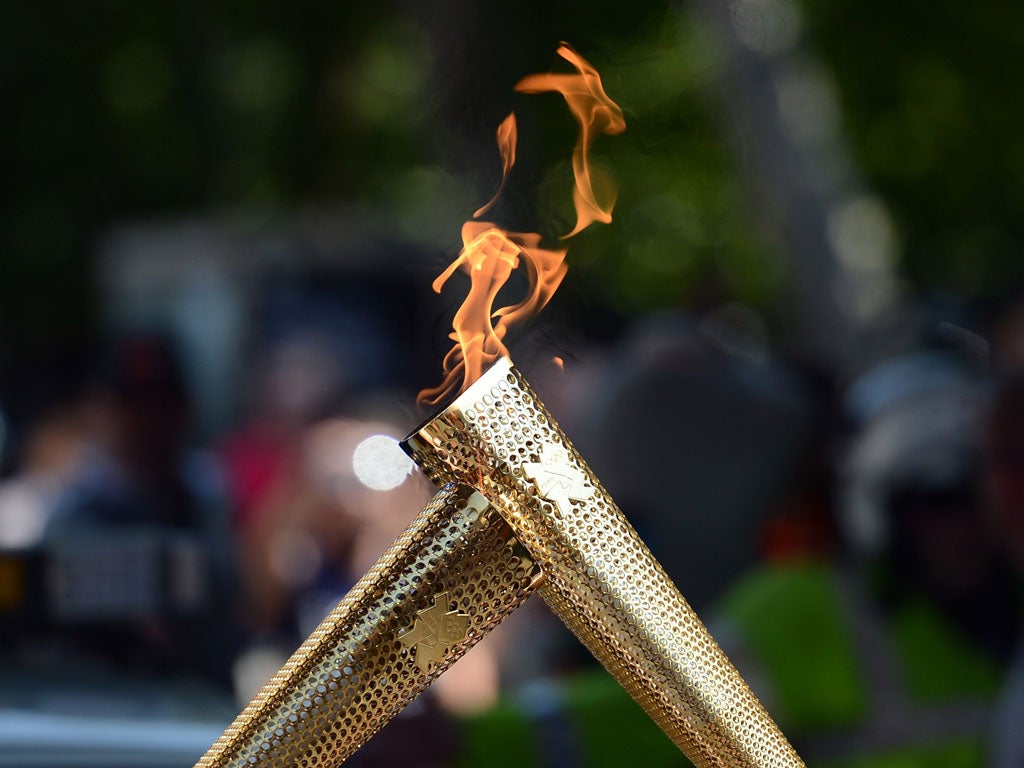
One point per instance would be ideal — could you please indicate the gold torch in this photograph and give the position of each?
(518, 511)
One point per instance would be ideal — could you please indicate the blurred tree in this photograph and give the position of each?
(932, 103)
(119, 111)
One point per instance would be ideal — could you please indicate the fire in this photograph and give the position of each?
(490, 254)
(508, 135)
(596, 113)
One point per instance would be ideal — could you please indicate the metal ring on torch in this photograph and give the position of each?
(600, 578)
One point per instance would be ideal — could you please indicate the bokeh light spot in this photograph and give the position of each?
(380, 463)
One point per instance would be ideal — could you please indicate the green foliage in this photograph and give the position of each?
(682, 218)
(119, 111)
(932, 107)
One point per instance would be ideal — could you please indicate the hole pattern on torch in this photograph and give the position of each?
(600, 578)
(354, 673)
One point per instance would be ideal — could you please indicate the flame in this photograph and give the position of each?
(508, 135)
(490, 254)
(596, 114)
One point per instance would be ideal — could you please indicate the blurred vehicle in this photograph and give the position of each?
(62, 705)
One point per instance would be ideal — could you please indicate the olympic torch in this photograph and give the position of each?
(519, 512)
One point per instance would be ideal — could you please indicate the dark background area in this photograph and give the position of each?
(122, 113)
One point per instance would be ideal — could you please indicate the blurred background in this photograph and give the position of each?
(792, 357)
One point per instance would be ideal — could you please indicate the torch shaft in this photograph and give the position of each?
(453, 575)
(600, 578)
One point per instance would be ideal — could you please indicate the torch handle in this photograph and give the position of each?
(453, 575)
(600, 578)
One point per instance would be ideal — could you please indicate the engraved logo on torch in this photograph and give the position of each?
(435, 631)
(556, 478)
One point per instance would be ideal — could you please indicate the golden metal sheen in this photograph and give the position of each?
(435, 631)
(599, 577)
(453, 575)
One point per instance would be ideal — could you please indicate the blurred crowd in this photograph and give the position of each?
(856, 547)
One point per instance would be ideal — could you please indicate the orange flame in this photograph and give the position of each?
(596, 114)
(508, 135)
(490, 254)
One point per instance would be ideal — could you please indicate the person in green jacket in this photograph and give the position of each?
(892, 657)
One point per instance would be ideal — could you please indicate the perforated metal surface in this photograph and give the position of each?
(382, 646)
(600, 578)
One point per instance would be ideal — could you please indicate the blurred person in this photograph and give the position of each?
(134, 472)
(1004, 489)
(1004, 468)
(53, 450)
(893, 655)
(140, 565)
(1007, 337)
(688, 404)
(295, 382)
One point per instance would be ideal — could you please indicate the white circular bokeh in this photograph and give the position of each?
(380, 463)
